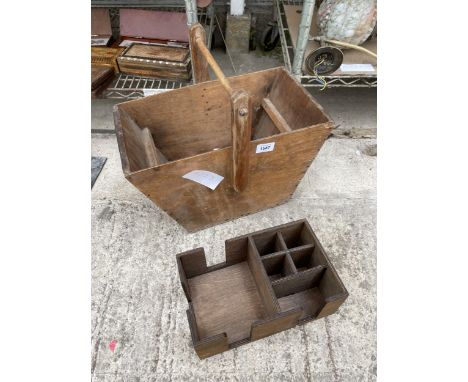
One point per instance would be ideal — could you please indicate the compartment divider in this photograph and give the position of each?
(275, 116)
(281, 240)
(271, 255)
(290, 263)
(298, 282)
(262, 282)
(302, 247)
(303, 257)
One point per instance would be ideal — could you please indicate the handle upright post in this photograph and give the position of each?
(241, 106)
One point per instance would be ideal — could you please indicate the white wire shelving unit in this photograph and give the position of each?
(333, 81)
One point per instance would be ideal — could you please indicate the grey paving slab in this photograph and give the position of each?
(137, 299)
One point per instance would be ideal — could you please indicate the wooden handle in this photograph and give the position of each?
(202, 57)
(241, 106)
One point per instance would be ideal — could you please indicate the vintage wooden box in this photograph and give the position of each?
(156, 44)
(156, 61)
(272, 280)
(260, 136)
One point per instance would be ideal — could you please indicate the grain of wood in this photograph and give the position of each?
(199, 62)
(275, 116)
(241, 133)
(226, 301)
(199, 137)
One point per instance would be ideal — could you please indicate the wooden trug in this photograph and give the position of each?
(216, 126)
(265, 286)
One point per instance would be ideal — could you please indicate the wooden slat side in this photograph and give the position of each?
(211, 346)
(330, 284)
(149, 148)
(332, 305)
(273, 178)
(280, 322)
(295, 104)
(205, 347)
(298, 282)
(193, 262)
(140, 149)
(203, 120)
(133, 142)
(236, 249)
(183, 278)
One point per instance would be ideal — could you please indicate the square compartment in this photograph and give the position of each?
(297, 235)
(267, 243)
(303, 258)
(278, 266)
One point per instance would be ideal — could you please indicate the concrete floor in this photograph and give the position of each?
(137, 299)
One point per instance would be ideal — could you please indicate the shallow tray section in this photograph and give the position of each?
(271, 281)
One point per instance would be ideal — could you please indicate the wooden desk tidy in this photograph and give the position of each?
(272, 280)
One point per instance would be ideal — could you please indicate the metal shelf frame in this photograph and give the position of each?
(306, 79)
(127, 86)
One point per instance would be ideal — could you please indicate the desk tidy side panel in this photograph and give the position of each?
(271, 281)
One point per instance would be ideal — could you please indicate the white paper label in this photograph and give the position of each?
(265, 147)
(206, 178)
(148, 92)
(99, 41)
(357, 68)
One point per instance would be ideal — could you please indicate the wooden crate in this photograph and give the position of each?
(104, 56)
(156, 61)
(272, 280)
(204, 127)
